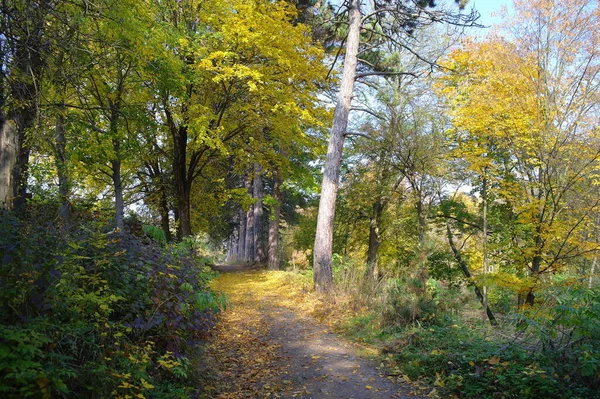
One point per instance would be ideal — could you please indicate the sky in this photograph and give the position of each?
(486, 7)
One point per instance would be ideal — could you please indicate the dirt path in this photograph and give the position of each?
(265, 346)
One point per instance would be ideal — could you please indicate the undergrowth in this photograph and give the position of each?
(550, 351)
(86, 311)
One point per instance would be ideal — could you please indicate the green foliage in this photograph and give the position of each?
(156, 233)
(551, 355)
(96, 313)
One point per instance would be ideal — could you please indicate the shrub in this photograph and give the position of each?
(90, 312)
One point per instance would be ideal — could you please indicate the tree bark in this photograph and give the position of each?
(249, 249)
(118, 187)
(241, 247)
(25, 66)
(374, 238)
(323, 248)
(274, 261)
(182, 188)
(592, 271)
(258, 194)
(536, 264)
(249, 241)
(9, 155)
(60, 162)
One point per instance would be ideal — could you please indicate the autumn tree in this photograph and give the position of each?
(230, 85)
(367, 28)
(538, 149)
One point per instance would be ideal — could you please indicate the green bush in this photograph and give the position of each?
(91, 312)
(549, 352)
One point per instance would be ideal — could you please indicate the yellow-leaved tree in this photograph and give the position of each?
(235, 77)
(525, 120)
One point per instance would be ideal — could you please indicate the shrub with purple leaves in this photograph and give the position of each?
(97, 313)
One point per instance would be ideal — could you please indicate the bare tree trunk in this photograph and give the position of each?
(249, 241)
(323, 248)
(179, 136)
(232, 254)
(26, 63)
(536, 264)
(274, 261)
(164, 214)
(14, 154)
(249, 250)
(182, 184)
(9, 155)
(374, 238)
(118, 187)
(241, 248)
(258, 193)
(60, 161)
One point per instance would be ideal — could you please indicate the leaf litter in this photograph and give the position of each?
(268, 344)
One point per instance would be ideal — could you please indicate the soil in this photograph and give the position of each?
(266, 347)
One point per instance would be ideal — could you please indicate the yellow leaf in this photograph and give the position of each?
(494, 360)
(369, 387)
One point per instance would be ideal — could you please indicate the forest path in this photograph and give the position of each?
(267, 346)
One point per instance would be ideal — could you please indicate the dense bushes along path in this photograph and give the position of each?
(267, 346)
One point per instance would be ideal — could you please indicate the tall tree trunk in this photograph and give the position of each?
(9, 156)
(60, 161)
(14, 154)
(258, 194)
(249, 249)
(465, 269)
(116, 166)
(323, 248)
(241, 247)
(249, 241)
(118, 187)
(182, 184)
(232, 252)
(374, 238)
(185, 216)
(536, 264)
(274, 261)
(25, 66)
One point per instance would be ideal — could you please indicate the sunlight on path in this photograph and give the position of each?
(266, 346)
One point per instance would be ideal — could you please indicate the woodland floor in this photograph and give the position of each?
(267, 345)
